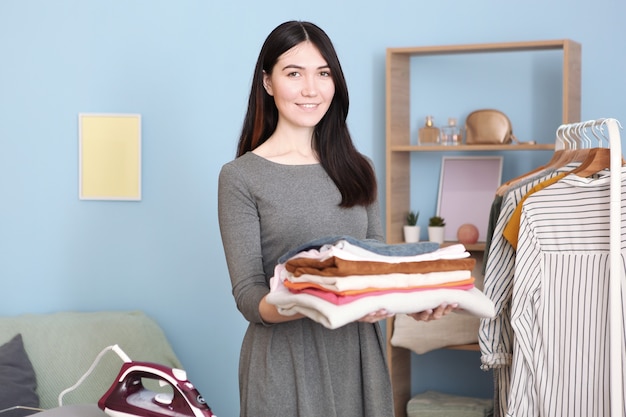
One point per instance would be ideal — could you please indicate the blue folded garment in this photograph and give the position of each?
(372, 245)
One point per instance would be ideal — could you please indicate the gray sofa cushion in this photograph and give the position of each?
(18, 382)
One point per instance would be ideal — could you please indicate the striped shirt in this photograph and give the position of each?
(559, 304)
(495, 336)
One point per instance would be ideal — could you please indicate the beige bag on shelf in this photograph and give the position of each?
(489, 127)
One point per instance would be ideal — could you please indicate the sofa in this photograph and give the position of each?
(42, 355)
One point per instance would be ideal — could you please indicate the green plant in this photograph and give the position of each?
(436, 221)
(411, 218)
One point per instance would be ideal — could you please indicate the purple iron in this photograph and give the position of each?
(128, 397)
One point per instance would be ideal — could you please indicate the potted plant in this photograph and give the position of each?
(411, 229)
(436, 228)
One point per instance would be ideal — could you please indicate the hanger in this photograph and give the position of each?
(577, 152)
(566, 146)
(574, 145)
(598, 158)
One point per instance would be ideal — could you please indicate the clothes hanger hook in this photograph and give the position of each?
(569, 135)
(561, 141)
(584, 135)
(602, 140)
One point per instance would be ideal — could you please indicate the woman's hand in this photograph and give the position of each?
(426, 315)
(377, 316)
(269, 313)
(439, 312)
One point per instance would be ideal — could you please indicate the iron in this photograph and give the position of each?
(128, 397)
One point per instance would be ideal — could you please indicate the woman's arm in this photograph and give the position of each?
(241, 239)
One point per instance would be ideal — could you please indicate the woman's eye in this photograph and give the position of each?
(293, 74)
(325, 73)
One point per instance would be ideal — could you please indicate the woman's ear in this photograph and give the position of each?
(267, 83)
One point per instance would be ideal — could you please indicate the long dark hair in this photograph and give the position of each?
(351, 172)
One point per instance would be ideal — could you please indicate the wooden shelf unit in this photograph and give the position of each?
(399, 149)
(471, 148)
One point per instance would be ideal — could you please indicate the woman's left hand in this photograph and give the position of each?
(377, 316)
(439, 312)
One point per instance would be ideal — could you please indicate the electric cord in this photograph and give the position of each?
(114, 348)
(21, 407)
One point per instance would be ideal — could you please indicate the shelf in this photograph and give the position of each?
(471, 347)
(399, 149)
(471, 148)
(398, 120)
(485, 47)
(471, 247)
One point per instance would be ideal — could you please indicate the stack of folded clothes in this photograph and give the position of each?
(337, 280)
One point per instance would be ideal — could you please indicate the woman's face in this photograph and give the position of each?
(302, 86)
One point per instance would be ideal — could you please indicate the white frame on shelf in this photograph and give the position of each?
(467, 186)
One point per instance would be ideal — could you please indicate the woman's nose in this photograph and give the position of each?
(310, 87)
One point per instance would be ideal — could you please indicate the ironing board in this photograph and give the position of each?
(75, 410)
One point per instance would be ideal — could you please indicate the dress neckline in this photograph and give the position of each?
(280, 164)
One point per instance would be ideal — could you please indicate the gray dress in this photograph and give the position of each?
(298, 368)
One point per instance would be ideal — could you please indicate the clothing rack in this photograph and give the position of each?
(616, 275)
(617, 270)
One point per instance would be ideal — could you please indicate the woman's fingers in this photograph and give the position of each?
(426, 315)
(377, 316)
(437, 313)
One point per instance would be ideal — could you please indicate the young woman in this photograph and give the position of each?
(298, 177)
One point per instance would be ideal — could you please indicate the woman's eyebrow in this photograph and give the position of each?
(290, 66)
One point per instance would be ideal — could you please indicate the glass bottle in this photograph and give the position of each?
(451, 134)
(429, 133)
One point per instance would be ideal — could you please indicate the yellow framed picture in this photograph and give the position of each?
(109, 156)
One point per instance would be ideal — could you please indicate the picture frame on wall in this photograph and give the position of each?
(109, 151)
(467, 187)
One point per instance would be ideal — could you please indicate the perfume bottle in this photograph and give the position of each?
(451, 134)
(429, 133)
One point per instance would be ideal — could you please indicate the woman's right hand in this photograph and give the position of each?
(269, 313)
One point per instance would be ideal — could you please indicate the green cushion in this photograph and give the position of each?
(437, 404)
(62, 346)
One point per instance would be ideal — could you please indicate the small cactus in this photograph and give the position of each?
(412, 217)
(436, 221)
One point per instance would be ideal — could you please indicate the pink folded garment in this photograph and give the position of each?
(295, 286)
(339, 299)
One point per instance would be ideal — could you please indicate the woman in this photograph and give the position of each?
(298, 177)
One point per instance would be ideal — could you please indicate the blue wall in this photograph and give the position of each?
(185, 66)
